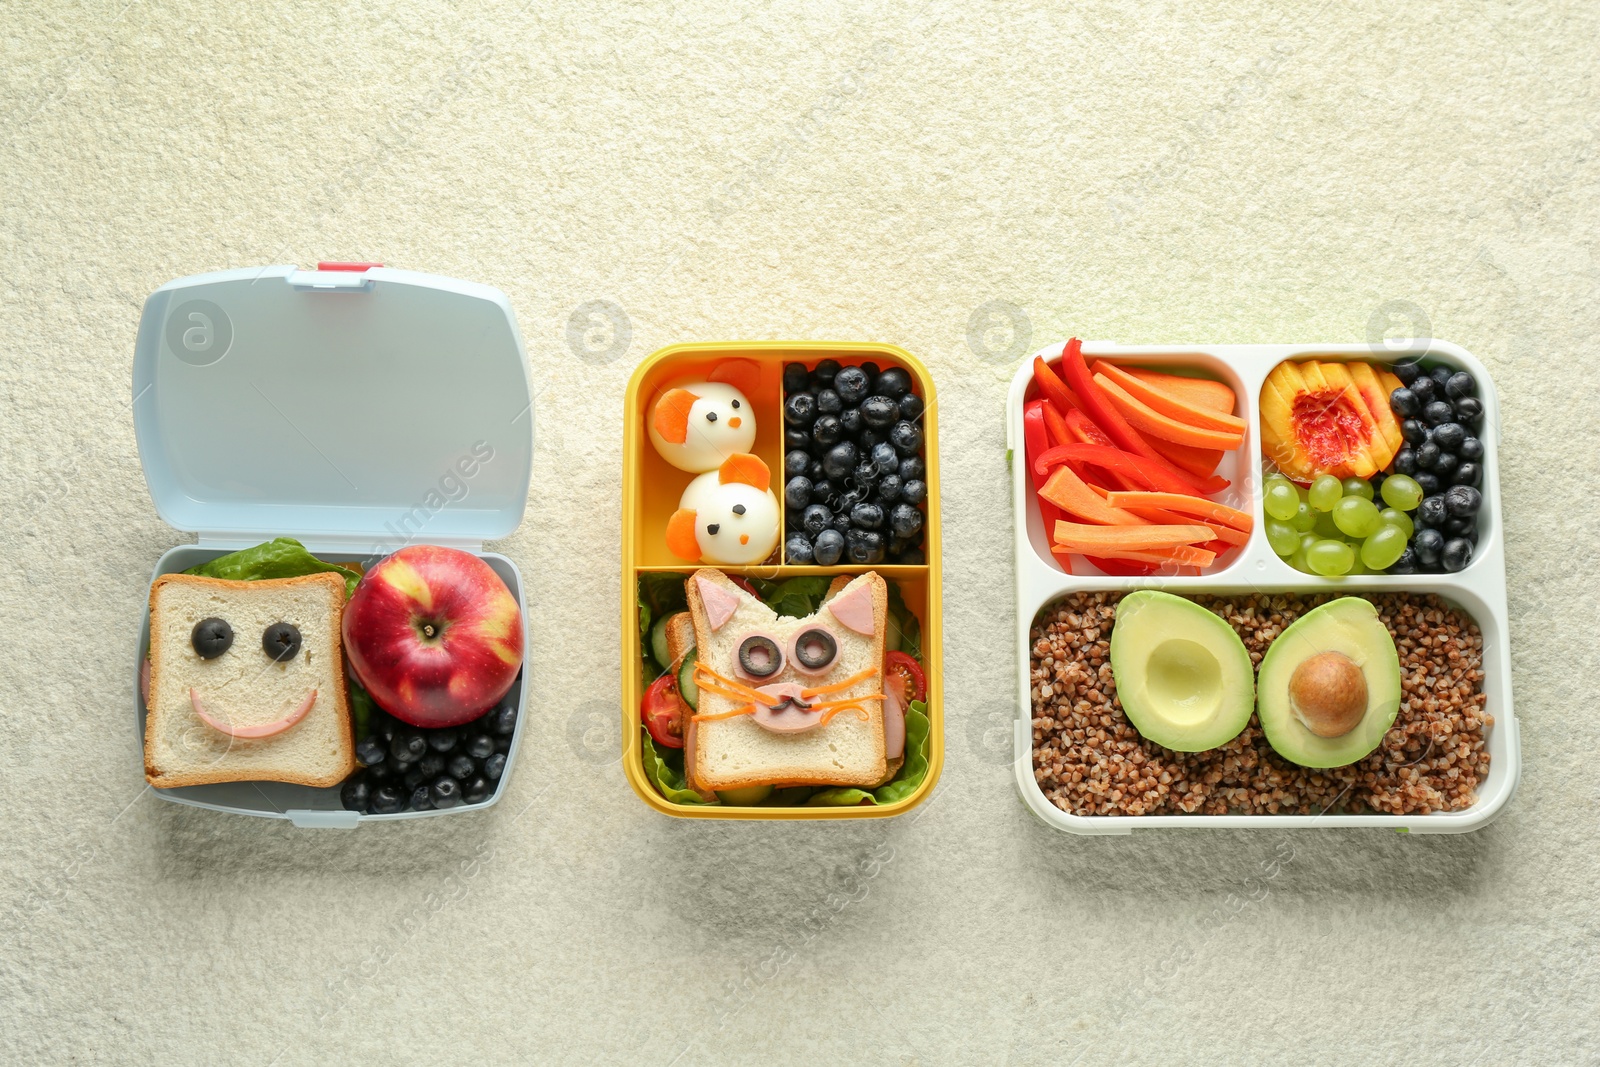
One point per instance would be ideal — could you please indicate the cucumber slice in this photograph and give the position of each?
(658, 643)
(686, 687)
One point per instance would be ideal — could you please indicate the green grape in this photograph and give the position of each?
(1307, 540)
(1298, 561)
(1358, 487)
(1282, 502)
(1401, 492)
(1282, 537)
(1356, 516)
(1325, 528)
(1384, 547)
(1331, 558)
(1325, 492)
(1358, 567)
(1304, 518)
(1392, 517)
(1274, 479)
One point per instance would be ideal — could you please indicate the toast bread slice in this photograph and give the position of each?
(736, 753)
(244, 686)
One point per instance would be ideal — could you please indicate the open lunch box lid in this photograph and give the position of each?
(341, 406)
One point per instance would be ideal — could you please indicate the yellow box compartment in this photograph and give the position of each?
(650, 491)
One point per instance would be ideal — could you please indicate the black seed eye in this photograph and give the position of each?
(711, 416)
(759, 656)
(281, 641)
(713, 528)
(815, 649)
(735, 403)
(211, 637)
(738, 509)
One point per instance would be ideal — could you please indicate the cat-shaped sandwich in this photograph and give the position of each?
(786, 701)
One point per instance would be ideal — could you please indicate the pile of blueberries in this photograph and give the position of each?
(407, 768)
(854, 474)
(1441, 417)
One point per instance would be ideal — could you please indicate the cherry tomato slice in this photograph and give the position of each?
(900, 669)
(662, 711)
(744, 583)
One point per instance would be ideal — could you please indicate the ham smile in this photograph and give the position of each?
(270, 729)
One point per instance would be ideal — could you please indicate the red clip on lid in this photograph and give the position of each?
(356, 267)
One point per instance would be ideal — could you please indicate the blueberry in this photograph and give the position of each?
(888, 489)
(826, 370)
(1460, 384)
(1405, 403)
(868, 439)
(1469, 412)
(912, 467)
(906, 438)
(1424, 389)
(1444, 468)
(386, 801)
(866, 474)
(1413, 431)
(870, 369)
(1469, 474)
(795, 377)
(829, 547)
(370, 751)
(477, 790)
(494, 766)
(502, 744)
(412, 778)
(864, 546)
(480, 746)
(1427, 455)
(828, 402)
(800, 409)
(421, 799)
(879, 412)
(884, 455)
(793, 438)
(281, 641)
(431, 764)
(408, 746)
(386, 771)
(446, 792)
(914, 491)
(796, 461)
(905, 520)
(840, 460)
(850, 421)
(1407, 371)
(1470, 449)
(1449, 435)
(1438, 412)
(460, 766)
(1456, 555)
(1428, 544)
(852, 384)
(1429, 482)
(797, 549)
(815, 519)
(1440, 375)
(1431, 512)
(1462, 501)
(443, 740)
(356, 793)
(823, 491)
(827, 430)
(1406, 564)
(1459, 526)
(503, 720)
(845, 501)
(866, 517)
(911, 407)
(1405, 460)
(211, 637)
(894, 383)
(797, 493)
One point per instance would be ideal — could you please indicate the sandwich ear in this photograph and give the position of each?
(854, 609)
(746, 468)
(681, 538)
(720, 603)
(671, 415)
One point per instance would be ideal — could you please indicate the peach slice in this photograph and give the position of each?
(1377, 401)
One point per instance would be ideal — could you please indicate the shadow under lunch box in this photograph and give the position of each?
(342, 407)
(1478, 591)
(651, 491)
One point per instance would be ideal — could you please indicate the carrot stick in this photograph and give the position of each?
(1150, 421)
(1186, 505)
(1069, 493)
(1181, 554)
(1090, 539)
(1175, 405)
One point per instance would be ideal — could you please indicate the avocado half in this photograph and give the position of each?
(1329, 686)
(1182, 674)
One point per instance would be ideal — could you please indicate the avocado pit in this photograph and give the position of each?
(1328, 694)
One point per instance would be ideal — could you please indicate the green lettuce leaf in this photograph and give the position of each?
(906, 780)
(797, 597)
(281, 558)
(905, 633)
(659, 594)
(664, 768)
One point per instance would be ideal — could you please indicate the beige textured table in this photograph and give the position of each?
(1142, 173)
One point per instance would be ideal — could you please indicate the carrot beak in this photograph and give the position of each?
(734, 422)
(744, 539)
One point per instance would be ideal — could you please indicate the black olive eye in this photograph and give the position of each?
(281, 641)
(815, 649)
(759, 656)
(713, 528)
(211, 637)
(735, 403)
(738, 509)
(711, 416)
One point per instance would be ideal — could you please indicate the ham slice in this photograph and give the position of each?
(854, 609)
(270, 729)
(719, 603)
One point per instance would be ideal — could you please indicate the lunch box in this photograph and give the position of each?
(333, 406)
(1479, 590)
(650, 493)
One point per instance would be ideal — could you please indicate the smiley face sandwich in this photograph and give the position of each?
(247, 682)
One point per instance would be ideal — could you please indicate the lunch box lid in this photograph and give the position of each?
(352, 405)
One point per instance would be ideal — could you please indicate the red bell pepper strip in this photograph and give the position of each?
(1055, 426)
(1109, 419)
(1123, 464)
(1036, 442)
(1054, 389)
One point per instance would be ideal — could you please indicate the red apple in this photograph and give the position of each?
(434, 635)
